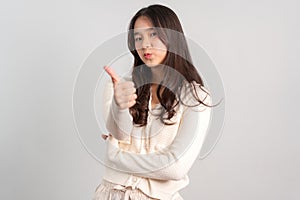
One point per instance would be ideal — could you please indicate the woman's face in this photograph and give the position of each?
(150, 48)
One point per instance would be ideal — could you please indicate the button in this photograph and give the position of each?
(134, 179)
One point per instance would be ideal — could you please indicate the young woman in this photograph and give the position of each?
(157, 118)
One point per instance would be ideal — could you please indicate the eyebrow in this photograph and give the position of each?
(148, 29)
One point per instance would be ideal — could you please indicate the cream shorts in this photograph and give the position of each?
(110, 191)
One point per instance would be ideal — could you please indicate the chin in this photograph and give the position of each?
(150, 64)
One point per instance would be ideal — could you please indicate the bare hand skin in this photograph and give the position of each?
(124, 91)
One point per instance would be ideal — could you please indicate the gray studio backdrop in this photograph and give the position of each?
(254, 45)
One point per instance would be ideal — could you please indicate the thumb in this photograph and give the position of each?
(114, 77)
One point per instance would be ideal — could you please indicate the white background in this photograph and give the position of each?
(254, 45)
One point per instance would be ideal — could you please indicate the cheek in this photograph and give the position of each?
(161, 54)
(137, 45)
(159, 45)
(161, 49)
(140, 53)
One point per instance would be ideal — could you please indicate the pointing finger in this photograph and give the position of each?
(114, 77)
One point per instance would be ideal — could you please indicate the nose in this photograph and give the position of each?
(146, 43)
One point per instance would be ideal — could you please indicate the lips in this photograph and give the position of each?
(147, 55)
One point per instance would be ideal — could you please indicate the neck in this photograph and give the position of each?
(157, 74)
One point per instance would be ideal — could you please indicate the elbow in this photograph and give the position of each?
(177, 173)
(123, 138)
(118, 134)
(175, 176)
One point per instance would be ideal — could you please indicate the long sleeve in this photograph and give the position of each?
(173, 162)
(118, 122)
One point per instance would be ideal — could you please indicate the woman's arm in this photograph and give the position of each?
(172, 162)
(119, 122)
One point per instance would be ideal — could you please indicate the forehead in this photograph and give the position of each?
(142, 24)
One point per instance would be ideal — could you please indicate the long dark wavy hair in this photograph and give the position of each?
(169, 97)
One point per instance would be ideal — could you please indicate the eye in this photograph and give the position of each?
(137, 39)
(153, 34)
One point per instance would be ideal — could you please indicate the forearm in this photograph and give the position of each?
(118, 122)
(174, 161)
(158, 165)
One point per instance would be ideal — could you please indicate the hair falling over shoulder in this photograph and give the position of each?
(177, 59)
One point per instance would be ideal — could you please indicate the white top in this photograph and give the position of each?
(155, 158)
